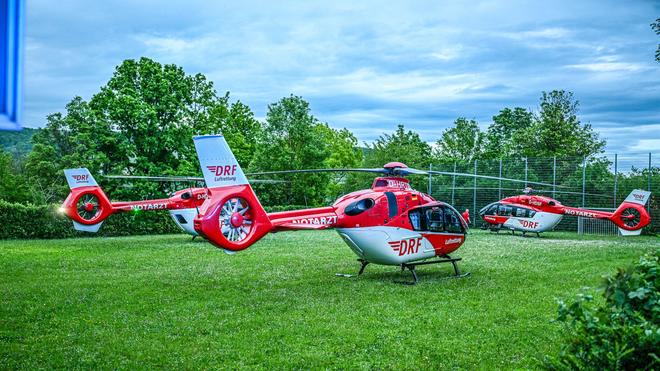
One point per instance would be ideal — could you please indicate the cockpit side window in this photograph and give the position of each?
(435, 220)
(416, 220)
(504, 210)
(491, 210)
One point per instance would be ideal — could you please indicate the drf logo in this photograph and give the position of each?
(226, 170)
(80, 178)
(638, 197)
(406, 246)
(529, 224)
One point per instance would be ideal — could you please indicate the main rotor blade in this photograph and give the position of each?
(534, 191)
(380, 170)
(493, 178)
(171, 178)
(175, 178)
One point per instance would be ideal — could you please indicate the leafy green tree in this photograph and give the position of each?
(401, 146)
(292, 138)
(505, 136)
(141, 122)
(656, 27)
(557, 131)
(344, 153)
(463, 142)
(13, 183)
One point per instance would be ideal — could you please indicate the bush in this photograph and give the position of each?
(30, 221)
(622, 332)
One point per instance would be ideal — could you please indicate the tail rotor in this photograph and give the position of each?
(87, 206)
(631, 216)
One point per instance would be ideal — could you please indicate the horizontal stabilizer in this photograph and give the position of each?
(624, 232)
(87, 228)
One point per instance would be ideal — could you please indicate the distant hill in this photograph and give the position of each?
(18, 143)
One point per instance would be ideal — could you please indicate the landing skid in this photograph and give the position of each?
(345, 275)
(411, 267)
(444, 259)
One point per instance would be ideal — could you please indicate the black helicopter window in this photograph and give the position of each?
(452, 222)
(436, 219)
(491, 210)
(359, 207)
(521, 212)
(504, 210)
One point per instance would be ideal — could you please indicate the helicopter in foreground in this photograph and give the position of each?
(535, 214)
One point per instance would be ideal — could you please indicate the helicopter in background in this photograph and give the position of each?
(537, 214)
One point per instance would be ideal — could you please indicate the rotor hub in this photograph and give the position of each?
(236, 220)
(89, 206)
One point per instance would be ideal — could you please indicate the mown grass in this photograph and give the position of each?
(164, 301)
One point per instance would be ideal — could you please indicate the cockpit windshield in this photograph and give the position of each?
(440, 218)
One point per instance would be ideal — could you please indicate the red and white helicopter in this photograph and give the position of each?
(88, 206)
(536, 214)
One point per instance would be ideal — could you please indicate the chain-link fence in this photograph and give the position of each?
(601, 182)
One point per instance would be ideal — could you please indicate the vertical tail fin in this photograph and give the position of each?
(87, 206)
(232, 218)
(219, 166)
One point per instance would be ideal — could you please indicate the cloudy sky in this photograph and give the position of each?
(367, 65)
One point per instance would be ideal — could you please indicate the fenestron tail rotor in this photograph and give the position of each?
(631, 217)
(88, 207)
(235, 219)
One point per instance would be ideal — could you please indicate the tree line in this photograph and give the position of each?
(142, 120)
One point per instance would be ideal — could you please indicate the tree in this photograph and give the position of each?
(463, 142)
(141, 122)
(402, 146)
(13, 184)
(344, 153)
(557, 131)
(656, 27)
(505, 135)
(292, 138)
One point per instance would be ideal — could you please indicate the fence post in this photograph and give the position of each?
(430, 169)
(584, 179)
(554, 176)
(474, 195)
(453, 184)
(648, 204)
(499, 190)
(525, 172)
(616, 176)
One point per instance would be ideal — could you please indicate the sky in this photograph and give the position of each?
(367, 65)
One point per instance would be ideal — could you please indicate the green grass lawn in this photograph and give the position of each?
(146, 302)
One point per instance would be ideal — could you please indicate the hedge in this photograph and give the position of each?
(43, 221)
